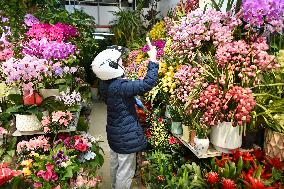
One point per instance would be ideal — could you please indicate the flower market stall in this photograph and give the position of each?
(219, 94)
(45, 99)
(215, 119)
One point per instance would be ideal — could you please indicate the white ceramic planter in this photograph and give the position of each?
(27, 123)
(45, 93)
(225, 137)
(176, 128)
(201, 145)
(95, 92)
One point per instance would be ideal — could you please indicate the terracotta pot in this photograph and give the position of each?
(274, 144)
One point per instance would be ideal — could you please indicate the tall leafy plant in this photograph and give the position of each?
(128, 27)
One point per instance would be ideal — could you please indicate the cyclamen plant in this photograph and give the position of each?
(57, 121)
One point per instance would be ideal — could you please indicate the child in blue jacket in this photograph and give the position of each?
(125, 135)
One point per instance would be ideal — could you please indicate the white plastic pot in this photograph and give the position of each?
(130, 1)
(45, 93)
(225, 137)
(176, 128)
(27, 123)
(201, 145)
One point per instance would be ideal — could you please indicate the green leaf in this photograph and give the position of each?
(69, 173)
(11, 153)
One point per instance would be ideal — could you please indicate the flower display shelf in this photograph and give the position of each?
(21, 133)
(211, 152)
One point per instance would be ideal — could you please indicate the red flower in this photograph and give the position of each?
(172, 140)
(148, 133)
(236, 155)
(212, 178)
(275, 162)
(160, 120)
(7, 174)
(256, 184)
(228, 184)
(259, 154)
(81, 147)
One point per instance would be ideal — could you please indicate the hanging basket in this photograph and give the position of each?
(27, 123)
(274, 144)
(45, 93)
(225, 137)
(176, 128)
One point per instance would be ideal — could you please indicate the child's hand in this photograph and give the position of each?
(152, 53)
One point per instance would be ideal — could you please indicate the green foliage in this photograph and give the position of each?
(229, 7)
(189, 176)
(82, 124)
(7, 150)
(128, 28)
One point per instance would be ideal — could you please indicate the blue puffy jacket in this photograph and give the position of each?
(124, 133)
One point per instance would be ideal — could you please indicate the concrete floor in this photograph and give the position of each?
(97, 127)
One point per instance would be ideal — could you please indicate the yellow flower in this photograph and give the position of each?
(35, 154)
(158, 31)
(27, 171)
(27, 163)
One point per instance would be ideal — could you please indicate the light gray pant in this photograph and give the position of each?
(122, 169)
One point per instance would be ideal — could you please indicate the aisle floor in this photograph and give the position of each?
(97, 127)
